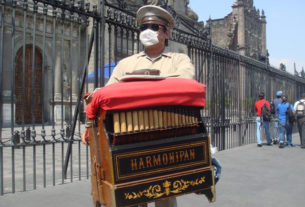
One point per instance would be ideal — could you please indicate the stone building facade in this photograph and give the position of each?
(58, 48)
(243, 30)
(57, 63)
(55, 69)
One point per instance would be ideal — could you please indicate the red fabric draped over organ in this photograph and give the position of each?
(147, 93)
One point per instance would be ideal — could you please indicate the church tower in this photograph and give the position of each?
(263, 34)
(243, 30)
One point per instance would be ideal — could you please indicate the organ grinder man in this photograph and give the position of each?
(155, 24)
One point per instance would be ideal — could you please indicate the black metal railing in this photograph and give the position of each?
(44, 49)
(52, 52)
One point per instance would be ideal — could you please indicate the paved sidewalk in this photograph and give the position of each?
(251, 177)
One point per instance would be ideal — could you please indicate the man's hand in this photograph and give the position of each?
(85, 137)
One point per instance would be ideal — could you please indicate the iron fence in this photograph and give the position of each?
(44, 49)
(51, 52)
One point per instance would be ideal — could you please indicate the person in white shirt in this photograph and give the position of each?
(299, 110)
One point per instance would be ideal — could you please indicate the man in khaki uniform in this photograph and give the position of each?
(155, 25)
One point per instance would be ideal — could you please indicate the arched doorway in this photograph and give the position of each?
(29, 99)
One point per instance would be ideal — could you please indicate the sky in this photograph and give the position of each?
(285, 27)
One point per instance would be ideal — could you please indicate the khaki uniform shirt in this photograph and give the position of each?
(169, 64)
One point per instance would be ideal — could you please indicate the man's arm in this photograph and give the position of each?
(116, 74)
(85, 136)
(184, 67)
(292, 108)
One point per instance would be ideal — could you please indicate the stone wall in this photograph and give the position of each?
(243, 30)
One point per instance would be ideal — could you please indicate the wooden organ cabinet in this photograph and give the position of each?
(148, 147)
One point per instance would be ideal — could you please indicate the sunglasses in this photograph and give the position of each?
(154, 27)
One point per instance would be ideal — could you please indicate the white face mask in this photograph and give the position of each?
(149, 37)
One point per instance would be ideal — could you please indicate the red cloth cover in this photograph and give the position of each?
(147, 93)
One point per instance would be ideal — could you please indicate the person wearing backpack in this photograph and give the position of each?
(286, 119)
(299, 111)
(274, 104)
(263, 117)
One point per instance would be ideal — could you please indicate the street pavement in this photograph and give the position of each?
(251, 177)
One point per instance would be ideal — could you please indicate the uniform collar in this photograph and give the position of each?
(143, 54)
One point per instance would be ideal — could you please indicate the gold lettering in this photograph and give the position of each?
(177, 156)
(171, 158)
(162, 159)
(141, 163)
(181, 155)
(192, 154)
(165, 159)
(134, 164)
(148, 161)
(156, 160)
(186, 156)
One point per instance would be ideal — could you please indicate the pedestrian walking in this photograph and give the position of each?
(274, 104)
(299, 107)
(285, 111)
(263, 117)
